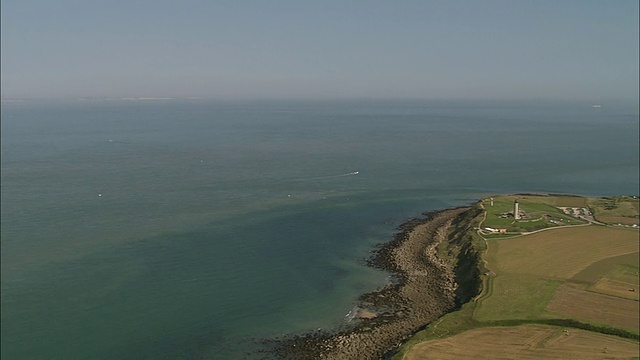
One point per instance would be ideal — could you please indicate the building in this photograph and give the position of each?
(516, 210)
(492, 230)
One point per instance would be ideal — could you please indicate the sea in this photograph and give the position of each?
(196, 229)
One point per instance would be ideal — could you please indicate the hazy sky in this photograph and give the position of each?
(320, 49)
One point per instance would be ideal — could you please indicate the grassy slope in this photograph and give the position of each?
(527, 271)
(617, 209)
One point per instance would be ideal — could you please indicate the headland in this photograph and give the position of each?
(447, 280)
(426, 286)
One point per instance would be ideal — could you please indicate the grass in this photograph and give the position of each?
(616, 288)
(571, 201)
(517, 297)
(625, 273)
(540, 211)
(450, 324)
(560, 253)
(623, 281)
(592, 273)
(528, 271)
(618, 220)
(576, 302)
(501, 236)
(613, 209)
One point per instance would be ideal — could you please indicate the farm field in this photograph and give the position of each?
(617, 209)
(526, 342)
(582, 277)
(622, 289)
(578, 303)
(560, 253)
(516, 297)
(534, 269)
(621, 280)
(628, 263)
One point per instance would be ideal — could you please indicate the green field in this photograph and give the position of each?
(571, 201)
(560, 253)
(579, 277)
(593, 272)
(516, 297)
(625, 273)
(616, 209)
(621, 282)
(540, 212)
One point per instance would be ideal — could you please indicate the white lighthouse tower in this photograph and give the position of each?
(516, 210)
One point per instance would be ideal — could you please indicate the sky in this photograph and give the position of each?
(516, 49)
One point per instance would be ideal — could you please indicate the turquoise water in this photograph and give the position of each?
(190, 229)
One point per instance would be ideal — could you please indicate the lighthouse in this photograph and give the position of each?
(516, 210)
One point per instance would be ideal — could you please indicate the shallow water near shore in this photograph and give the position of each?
(189, 229)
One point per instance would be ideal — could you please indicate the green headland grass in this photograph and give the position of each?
(523, 274)
(610, 209)
(540, 212)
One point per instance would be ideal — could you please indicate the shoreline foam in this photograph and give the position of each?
(424, 289)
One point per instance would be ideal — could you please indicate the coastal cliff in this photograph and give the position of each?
(435, 264)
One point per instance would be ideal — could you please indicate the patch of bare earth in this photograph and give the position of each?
(574, 301)
(526, 342)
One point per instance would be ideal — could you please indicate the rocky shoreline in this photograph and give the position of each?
(425, 288)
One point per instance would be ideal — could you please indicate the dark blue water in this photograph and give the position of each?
(182, 229)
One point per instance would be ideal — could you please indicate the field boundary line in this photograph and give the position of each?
(554, 227)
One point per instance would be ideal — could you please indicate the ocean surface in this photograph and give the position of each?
(184, 229)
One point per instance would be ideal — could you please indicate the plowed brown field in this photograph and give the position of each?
(526, 342)
(580, 304)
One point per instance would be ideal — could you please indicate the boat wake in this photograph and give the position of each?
(343, 175)
(328, 177)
